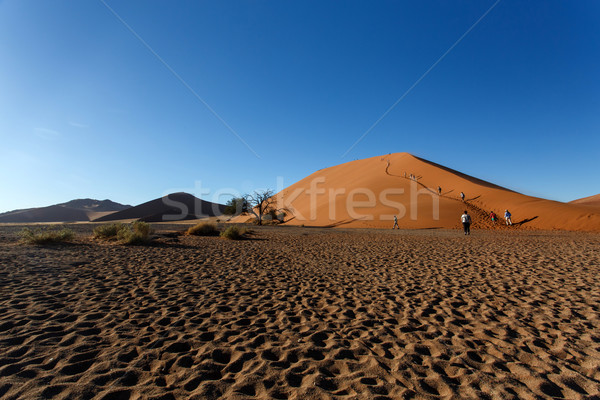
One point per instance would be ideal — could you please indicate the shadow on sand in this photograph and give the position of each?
(339, 223)
(526, 220)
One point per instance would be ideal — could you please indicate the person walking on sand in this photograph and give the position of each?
(493, 217)
(462, 196)
(395, 223)
(466, 221)
(507, 217)
(439, 191)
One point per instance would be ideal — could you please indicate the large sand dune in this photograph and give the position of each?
(367, 193)
(592, 201)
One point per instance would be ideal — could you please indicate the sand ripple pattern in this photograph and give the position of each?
(304, 314)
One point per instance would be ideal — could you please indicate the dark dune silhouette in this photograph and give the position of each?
(95, 205)
(55, 213)
(72, 211)
(173, 207)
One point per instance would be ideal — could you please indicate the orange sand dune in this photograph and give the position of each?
(592, 201)
(367, 193)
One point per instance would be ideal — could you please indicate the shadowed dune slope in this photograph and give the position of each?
(96, 205)
(367, 193)
(173, 207)
(55, 213)
(592, 201)
(72, 211)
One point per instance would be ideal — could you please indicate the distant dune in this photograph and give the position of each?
(173, 207)
(95, 205)
(367, 193)
(593, 201)
(73, 211)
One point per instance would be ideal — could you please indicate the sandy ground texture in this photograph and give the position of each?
(301, 313)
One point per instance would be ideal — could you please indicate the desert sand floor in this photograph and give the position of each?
(300, 313)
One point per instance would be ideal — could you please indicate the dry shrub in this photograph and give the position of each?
(108, 231)
(233, 233)
(136, 234)
(46, 236)
(203, 229)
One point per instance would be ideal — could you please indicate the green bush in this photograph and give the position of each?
(108, 231)
(127, 236)
(142, 228)
(203, 229)
(233, 233)
(236, 206)
(138, 233)
(46, 236)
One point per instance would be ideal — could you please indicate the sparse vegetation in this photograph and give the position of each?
(271, 215)
(46, 236)
(260, 204)
(203, 229)
(138, 233)
(233, 233)
(141, 227)
(108, 231)
(274, 217)
(135, 234)
(281, 216)
(236, 206)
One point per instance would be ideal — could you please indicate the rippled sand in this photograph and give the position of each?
(303, 314)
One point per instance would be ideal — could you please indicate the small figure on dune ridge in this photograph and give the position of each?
(439, 190)
(395, 223)
(493, 217)
(462, 196)
(466, 221)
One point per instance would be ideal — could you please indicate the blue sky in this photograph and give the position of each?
(88, 110)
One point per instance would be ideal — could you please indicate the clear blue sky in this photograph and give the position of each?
(87, 110)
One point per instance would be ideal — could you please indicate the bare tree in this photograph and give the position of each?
(261, 203)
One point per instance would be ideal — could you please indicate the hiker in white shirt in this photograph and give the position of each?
(466, 221)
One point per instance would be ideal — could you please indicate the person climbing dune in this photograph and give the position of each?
(466, 221)
(508, 217)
